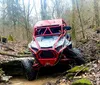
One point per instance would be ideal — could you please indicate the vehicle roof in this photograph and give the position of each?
(49, 22)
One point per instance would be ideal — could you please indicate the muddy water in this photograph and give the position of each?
(45, 75)
(40, 81)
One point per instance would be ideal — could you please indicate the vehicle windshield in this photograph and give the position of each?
(48, 31)
(40, 38)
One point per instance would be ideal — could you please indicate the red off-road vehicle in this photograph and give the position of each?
(51, 45)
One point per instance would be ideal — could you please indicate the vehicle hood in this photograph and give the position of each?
(47, 42)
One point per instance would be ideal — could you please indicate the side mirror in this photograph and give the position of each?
(67, 27)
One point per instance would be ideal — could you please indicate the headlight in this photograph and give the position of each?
(58, 48)
(35, 49)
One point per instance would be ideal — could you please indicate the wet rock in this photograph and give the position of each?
(97, 31)
(8, 83)
(5, 78)
(63, 81)
(49, 83)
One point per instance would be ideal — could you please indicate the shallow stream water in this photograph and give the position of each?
(45, 75)
(40, 81)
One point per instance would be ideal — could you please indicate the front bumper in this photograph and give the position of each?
(47, 57)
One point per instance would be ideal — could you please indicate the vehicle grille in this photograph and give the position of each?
(46, 47)
(46, 54)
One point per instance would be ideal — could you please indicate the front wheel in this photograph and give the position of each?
(74, 54)
(78, 56)
(28, 70)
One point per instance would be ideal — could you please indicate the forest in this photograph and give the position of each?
(17, 21)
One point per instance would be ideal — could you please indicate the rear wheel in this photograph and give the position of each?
(28, 70)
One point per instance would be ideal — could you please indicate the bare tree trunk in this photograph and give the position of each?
(82, 11)
(26, 20)
(96, 12)
(73, 20)
(80, 19)
(44, 9)
(57, 8)
(34, 5)
(3, 17)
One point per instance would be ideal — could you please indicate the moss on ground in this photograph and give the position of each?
(78, 68)
(10, 38)
(1, 72)
(83, 81)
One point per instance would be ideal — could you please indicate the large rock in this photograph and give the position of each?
(3, 77)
